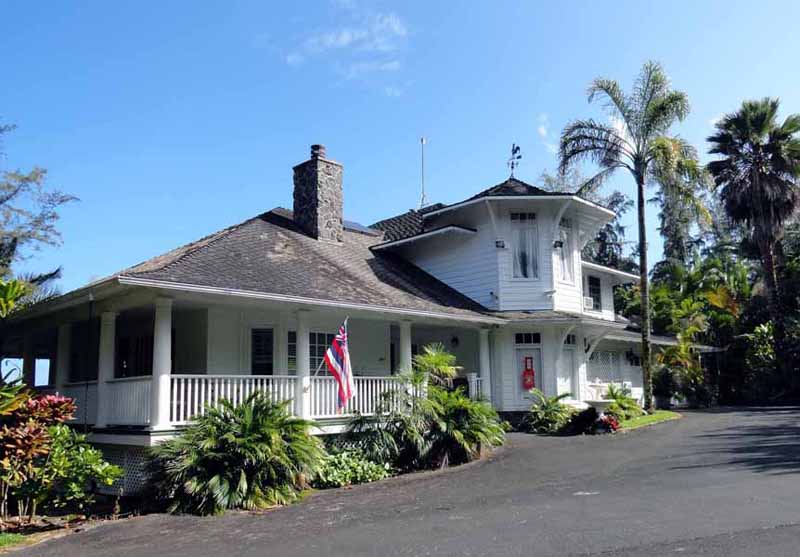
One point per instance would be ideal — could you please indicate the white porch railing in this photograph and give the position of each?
(85, 396)
(368, 395)
(190, 394)
(129, 400)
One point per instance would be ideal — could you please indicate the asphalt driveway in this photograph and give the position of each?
(714, 483)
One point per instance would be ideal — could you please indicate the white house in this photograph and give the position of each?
(497, 278)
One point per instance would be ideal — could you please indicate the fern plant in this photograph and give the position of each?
(548, 415)
(250, 456)
(624, 406)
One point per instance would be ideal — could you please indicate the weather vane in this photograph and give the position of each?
(516, 155)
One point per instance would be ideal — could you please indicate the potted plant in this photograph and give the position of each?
(663, 387)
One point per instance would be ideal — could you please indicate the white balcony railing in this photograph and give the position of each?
(368, 396)
(191, 394)
(129, 400)
(85, 395)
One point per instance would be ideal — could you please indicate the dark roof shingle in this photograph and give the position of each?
(270, 254)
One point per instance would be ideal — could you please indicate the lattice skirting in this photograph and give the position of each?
(133, 460)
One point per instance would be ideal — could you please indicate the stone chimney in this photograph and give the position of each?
(318, 196)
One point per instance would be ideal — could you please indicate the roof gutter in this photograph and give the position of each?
(424, 235)
(249, 294)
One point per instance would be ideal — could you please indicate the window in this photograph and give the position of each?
(570, 340)
(595, 293)
(261, 352)
(527, 338)
(135, 355)
(318, 344)
(564, 247)
(524, 240)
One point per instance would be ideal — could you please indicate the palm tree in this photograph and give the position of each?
(758, 174)
(636, 140)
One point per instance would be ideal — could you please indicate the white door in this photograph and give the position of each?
(528, 357)
(566, 373)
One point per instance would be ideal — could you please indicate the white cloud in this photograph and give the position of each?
(380, 33)
(360, 69)
(295, 59)
(392, 91)
(543, 130)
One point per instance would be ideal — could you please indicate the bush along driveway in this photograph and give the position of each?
(681, 485)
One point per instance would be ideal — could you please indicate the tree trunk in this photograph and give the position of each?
(644, 287)
(770, 260)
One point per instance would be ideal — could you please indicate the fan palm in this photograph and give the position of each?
(758, 175)
(438, 363)
(636, 140)
(249, 456)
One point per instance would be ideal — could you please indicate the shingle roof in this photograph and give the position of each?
(412, 222)
(407, 224)
(514, 188)
(270, 254)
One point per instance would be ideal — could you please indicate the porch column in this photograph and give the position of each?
(302, 399)
(63, 351)
(105, 366)
(162, 365)
(406, 358)
(485, 363)
(28, 360)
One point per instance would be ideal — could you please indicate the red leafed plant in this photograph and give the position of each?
(25, 439)
(48, 409)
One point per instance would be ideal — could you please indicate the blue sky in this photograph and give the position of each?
(171, 120)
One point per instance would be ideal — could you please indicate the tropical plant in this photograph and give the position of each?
(345, 468)
(624, 406)
(548, 414)
(461, 429)
(25, 443)
(760, 367)
(249, 456)
(757, 173)
(438, 363)
(420, 426)
(68, 474)
(11, 292)
(663, 383)
(636, 140)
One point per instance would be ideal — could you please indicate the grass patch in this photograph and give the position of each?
(649, 419)
(8, 539)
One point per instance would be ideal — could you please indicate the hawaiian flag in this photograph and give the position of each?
(337, 358)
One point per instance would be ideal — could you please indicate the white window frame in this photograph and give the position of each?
(531, 230)
(600, 293)
(313, 359)
(566, 257)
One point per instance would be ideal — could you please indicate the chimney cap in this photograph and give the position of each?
(317, 151)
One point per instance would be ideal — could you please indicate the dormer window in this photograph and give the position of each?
(563, 247)
(525, 241)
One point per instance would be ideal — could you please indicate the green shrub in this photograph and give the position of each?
(349, 468)
(623, 407)
(461, 428)
(72, 469)
(548, 415)
(411, 433)
(250, 456)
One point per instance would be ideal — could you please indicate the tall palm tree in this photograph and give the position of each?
(635, 140)
(758, 175)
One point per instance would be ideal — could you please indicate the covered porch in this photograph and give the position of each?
(153, 362)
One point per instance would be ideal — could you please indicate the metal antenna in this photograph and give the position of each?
(422, 200)
(516, 155)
